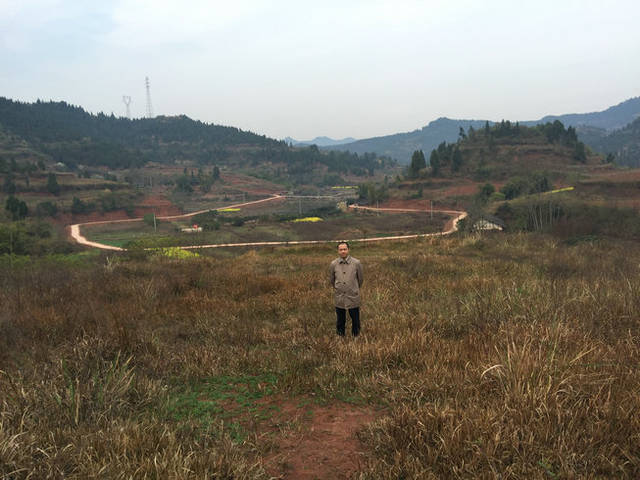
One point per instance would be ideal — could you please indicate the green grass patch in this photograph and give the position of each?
(231, 399)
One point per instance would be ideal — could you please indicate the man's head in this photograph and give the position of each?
(343, 249)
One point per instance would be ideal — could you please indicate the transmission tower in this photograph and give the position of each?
(149, 107)
(127, 101)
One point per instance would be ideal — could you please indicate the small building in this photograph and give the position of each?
(488, 222)
(192, 229)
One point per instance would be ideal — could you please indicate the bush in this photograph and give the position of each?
(570, 218)
(16, 208)
(208, 220)
(46, 209)
(80, 207)
(149, 219)
(536, 182)
(496, 197)
(31, 237)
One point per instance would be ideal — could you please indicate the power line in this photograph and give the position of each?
(127, 101)
(149, 106)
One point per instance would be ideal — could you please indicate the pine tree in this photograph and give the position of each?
(434, 162)
(418, 162)
(52, 185)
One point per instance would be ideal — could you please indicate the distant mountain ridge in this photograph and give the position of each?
(623, 143)
(320, 141)
(400, 146)
(612, 118)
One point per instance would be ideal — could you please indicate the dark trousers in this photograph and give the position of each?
(341, 314)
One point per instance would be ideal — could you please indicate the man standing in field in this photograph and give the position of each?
(345, 275)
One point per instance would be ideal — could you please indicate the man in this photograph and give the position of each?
(345, 275)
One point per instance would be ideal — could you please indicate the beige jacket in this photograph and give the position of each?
(346, 279)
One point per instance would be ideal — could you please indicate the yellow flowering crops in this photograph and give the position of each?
(176, 252)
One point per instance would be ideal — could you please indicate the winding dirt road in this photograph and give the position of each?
(457, 215)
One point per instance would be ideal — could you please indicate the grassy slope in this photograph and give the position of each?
(512, 354)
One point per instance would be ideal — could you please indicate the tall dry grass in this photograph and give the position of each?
(505, 356)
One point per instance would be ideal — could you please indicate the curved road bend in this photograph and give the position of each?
(81, 239)
(78, 237)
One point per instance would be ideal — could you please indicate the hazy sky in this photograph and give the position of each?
(335, 68)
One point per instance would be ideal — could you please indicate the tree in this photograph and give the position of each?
(78, 206)
(216, 172)
(514, 188)
(461, 134)
(418, 163)
(434, 162)
(487, 189)
(372, 193)
(456, 161)
(52, 185)
(579, 153)
(183, 184)
(17, 208)
(46, 209)
(539, 183)
(9, 187)
(471, 132)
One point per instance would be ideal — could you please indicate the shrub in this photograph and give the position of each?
(46, 209)
(16, 208)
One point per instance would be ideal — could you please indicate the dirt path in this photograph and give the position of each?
(82, 240)
(449, 228)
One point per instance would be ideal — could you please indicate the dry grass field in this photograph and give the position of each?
(506, 356)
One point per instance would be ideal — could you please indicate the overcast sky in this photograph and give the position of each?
(336, 68)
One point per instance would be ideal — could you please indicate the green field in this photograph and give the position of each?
(343, 226)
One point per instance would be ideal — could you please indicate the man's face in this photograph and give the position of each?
(343, 250)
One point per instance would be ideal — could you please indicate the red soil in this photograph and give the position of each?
(324, 445)
(158, 204)
(251, 185)
(152, 203)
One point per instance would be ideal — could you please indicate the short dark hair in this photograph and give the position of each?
(340, 243)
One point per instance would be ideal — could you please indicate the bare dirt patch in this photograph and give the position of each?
(317, 442)
(251, 185)
(159, 204)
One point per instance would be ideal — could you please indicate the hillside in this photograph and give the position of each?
(401, 145)
(623, 143)
(505, 150)
(68, 134)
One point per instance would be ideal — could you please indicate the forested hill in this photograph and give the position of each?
(504, 150)
(68, 134)
(623, 144)
(401, 145)
(61, 122)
